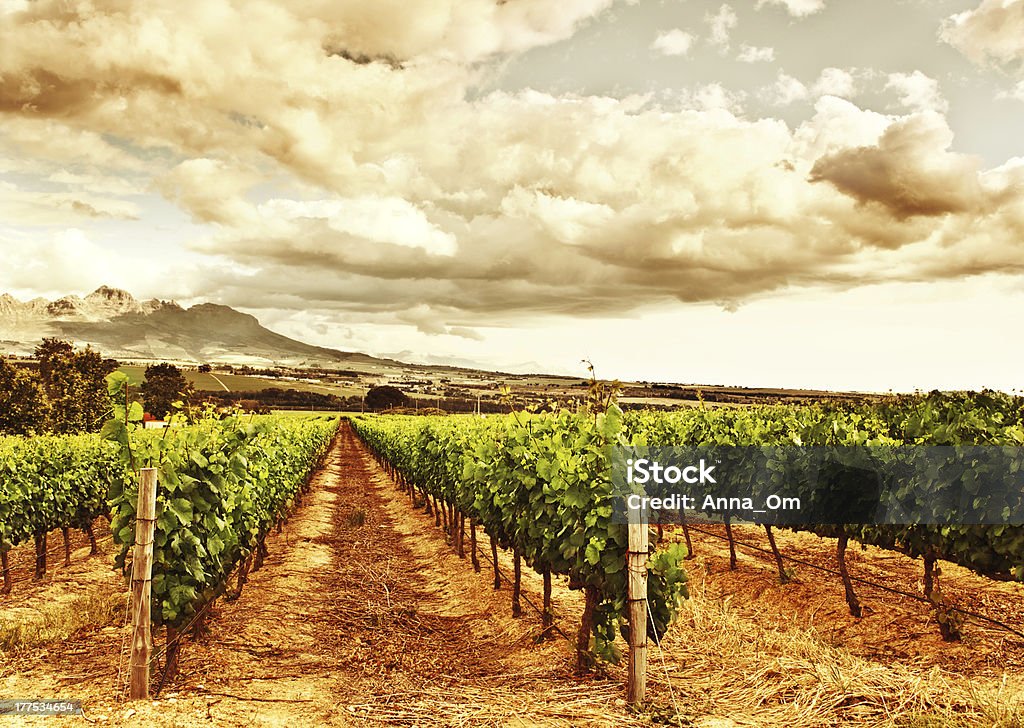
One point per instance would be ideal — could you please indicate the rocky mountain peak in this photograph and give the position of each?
(109, 294)
(66, 306)
(120, 326)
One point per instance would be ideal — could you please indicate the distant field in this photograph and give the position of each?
(196, 379)
(310, 413)
(244, 383)
(665, 401)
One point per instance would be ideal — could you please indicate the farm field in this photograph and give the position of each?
(362, 612)
(218, 381)
(356, 549)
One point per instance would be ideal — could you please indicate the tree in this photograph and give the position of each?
(49, 353)
(23, 406)
(205, 369)
(385, 397)
(163, 386)
(75, 386)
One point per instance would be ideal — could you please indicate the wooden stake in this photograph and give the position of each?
(93, 546)
(636, 563)
(142, 582)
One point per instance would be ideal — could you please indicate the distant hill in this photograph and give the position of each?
(114, 322)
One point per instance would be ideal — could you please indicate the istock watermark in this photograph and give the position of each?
(680, 502)
(645, 471)
(793, 485)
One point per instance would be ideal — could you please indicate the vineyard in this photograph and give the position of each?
(541, 485)
(224, 483)
(531, 489)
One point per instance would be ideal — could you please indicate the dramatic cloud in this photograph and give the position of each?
(797, 8)
(346, 157)
(905, 172)
(992, 32)
(674, 42)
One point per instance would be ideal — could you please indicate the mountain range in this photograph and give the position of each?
(118, 325)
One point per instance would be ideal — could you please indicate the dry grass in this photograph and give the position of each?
(723, 664)
(504, 701)
(24, 628)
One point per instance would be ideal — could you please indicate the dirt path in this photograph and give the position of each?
(361, 613)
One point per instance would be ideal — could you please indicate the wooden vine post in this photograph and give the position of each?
(142, 583)
(636, 569)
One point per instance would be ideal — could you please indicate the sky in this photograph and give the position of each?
(799, 193)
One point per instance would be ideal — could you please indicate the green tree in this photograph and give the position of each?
(385, 397)
(163, 386)
(23, 406)
(75, 386)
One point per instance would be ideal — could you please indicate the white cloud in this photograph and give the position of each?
(674, 42)
(1015, 92)
(21, 205)
(994, 31)
(66, 260)
(838, 124)
(788, 90)
(379, 219)
(796, 8)
(567, 220)
(713, 96)
(721, 25)
(754, 54)
(211, 190)
(835, 82)
(917, 91)
(8, 7)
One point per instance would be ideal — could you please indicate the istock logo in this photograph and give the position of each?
(645, 471)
